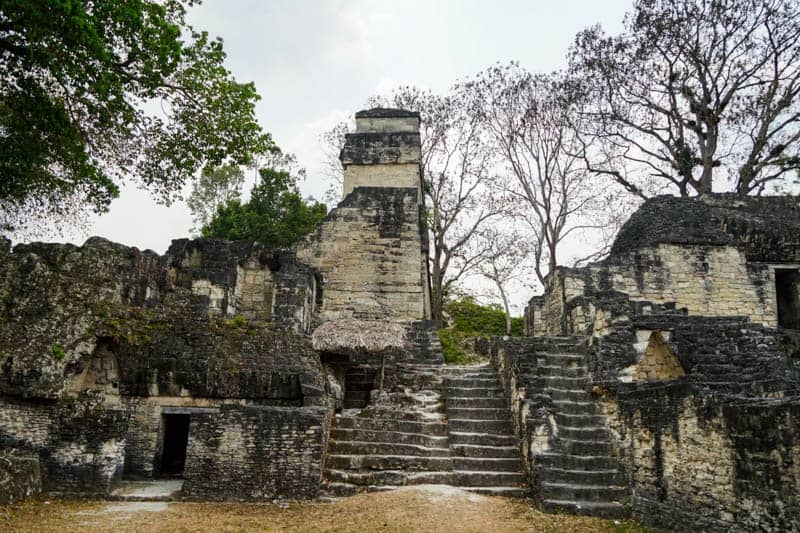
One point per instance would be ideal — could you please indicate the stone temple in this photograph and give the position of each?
(661, 381)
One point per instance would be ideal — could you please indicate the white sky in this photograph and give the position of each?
(315, 63)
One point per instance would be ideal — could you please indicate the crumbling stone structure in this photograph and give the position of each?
(684, 368)
(663, 379)
(200, 363)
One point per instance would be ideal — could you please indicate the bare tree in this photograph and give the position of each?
(528, 117)
(696, 95)
(332, 142)
(505, 257)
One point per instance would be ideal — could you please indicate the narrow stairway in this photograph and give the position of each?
(483, 447)
(579, 473)
(440, 425)
(401, 440)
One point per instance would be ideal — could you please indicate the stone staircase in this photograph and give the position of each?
(425, 343)
(483, 447)
(578, 472)
(439, 425)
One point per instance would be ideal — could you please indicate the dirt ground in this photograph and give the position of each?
(414, 509)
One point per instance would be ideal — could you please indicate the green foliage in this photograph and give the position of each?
(58, 352)
(216, 187)
(78, 81)
(468, 316)
(276, 214)
(469, 321)
(237, 322)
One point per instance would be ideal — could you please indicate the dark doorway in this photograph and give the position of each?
(176, 437)
(787, 292)
(358, 384)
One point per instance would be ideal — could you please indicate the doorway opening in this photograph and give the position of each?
(358, 384)
(176, 438)
(787, 293)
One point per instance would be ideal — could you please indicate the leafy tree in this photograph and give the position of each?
(470, 320)
(276, 214)
(695, 95)
(216, 187)
(94, 93)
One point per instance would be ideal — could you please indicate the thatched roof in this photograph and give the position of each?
(350, 335)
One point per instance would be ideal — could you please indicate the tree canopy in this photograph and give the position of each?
(276, 214)
(695, 95)
(94, 93)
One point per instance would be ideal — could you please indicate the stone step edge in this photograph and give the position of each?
(390, 432)
(581, 486)
(378, 443)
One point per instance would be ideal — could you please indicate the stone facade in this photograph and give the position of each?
(690, 326)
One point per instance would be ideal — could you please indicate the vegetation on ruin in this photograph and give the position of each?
(96, 93)
(470, 320)
(276, 214)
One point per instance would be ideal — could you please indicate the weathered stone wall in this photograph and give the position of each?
(700, 463)
(699, 280)
(369, 254)
(256, 453)
(80, 442)
(384, 151)
(20, 476)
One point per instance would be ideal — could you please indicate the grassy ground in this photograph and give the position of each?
(425, 508)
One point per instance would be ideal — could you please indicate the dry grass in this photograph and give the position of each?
(433, 509)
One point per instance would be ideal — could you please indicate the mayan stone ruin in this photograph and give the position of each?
(659, 383)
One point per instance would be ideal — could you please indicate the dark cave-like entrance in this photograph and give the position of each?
(787, 292)
(173, 451)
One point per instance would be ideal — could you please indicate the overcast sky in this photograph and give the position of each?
(315, 63)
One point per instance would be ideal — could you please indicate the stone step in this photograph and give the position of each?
(501, 427)
(337, 490)
(578, 492)
(388, 462)
(560, 382)
(388, 424)
(465, 381)
(579, 419)
(384, 448)
(565, 461)
(573, 395)
(489, 479)
(586, 508)
(473, 450)
(482, 439)
(507, 492)
(486, 464)
(401, 478)
(586, 477)
(582, 433)
(575, 408)
(559, 344)
(561, 359)
(561, 371)
(392, 437)
(584, 447)
(478, 413)
(480, 403)
(474, 392)
(450, 370)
